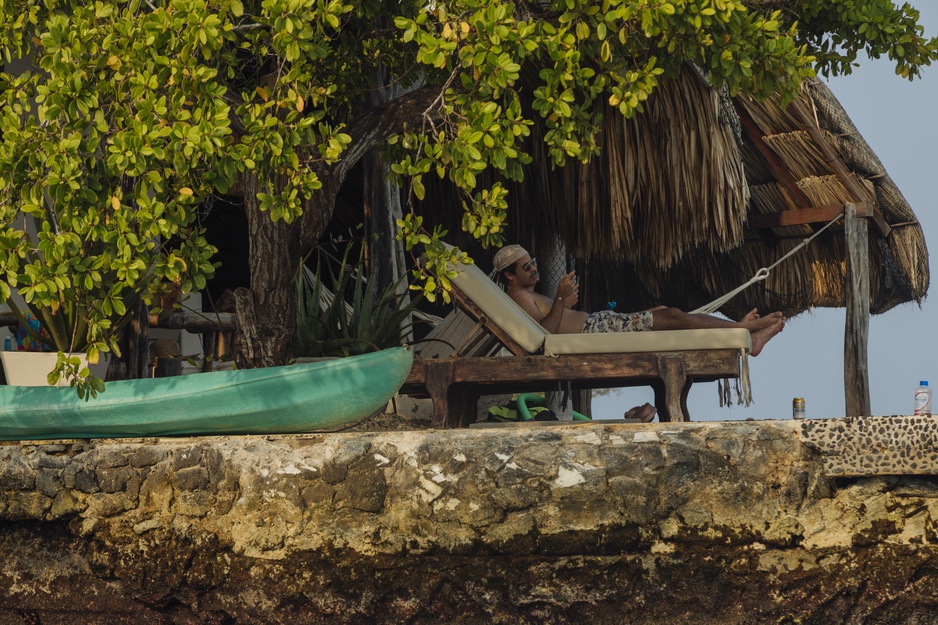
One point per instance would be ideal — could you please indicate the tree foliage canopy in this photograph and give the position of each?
(128, 114)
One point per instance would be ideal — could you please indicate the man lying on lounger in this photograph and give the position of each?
(519, 272)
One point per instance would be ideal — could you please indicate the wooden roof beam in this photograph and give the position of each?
(801, 216)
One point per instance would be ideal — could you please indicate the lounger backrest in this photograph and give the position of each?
(499, 308)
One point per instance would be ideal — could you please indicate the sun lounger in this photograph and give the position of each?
(668, 361)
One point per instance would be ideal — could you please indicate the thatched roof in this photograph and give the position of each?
(690, 198)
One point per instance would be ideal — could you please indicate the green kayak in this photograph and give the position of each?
(276, 400)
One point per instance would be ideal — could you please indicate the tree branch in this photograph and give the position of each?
(378, 124)
(410, 109)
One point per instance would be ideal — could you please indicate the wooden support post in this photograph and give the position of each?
(857, 327)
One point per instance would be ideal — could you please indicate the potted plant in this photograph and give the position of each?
(43, 352)
(79, 280)
(79, 283)
(25, 357)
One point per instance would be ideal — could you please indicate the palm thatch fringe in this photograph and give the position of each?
(690, 187)
(905, 256)
(905, 248)
(757, 170)
(621, 181)
(814, 277)
(668, 181)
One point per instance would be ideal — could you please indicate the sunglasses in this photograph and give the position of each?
(531, 263)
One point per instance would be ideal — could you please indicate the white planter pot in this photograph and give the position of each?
(32, 368)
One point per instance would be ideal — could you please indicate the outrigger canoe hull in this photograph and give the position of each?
(275, 400)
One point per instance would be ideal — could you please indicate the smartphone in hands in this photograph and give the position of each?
(571, 266)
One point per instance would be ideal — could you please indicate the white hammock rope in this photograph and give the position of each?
(762, 273)
(743, 387)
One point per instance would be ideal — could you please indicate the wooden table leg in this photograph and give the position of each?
(464, 405)
(439, 381)
(671, 394)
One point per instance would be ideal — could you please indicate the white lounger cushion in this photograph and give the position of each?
(501, 309)
(505, 313)
(653, 341)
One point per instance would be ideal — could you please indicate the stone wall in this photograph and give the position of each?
(703, 522)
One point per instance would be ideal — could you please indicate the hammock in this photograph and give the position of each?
(742, 384)
(762, 273)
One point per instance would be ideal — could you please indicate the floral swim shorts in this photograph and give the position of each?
(611, 321)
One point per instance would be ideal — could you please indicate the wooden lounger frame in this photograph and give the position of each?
(455, 384)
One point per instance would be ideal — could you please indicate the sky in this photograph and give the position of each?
(898, 120)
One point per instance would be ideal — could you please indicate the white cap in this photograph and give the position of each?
(508, 256)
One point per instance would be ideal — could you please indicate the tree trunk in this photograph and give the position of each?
(134, 362)
(388, 261)
(387, 256)
(266, 312)
(552, 266)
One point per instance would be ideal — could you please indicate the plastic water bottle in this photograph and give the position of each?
(8, 344)
(923, 399)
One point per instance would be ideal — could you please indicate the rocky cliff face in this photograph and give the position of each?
(705, 523)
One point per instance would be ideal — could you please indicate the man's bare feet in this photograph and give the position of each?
(764, 335)
(644, 413)
(755, 322)
(752, 315)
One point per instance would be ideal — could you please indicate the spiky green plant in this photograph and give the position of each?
(369, 322)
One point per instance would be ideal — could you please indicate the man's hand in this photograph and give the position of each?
(568, 290)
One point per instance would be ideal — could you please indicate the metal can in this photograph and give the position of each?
(797, 408)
